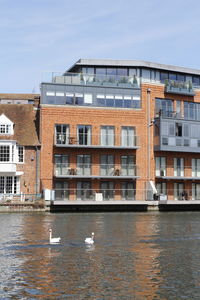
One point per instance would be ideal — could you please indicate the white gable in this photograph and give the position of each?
(6, 125)
(5, 120)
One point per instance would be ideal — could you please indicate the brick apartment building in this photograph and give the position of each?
(19, 146)
(121, 130)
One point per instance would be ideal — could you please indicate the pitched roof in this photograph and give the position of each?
(24, 117)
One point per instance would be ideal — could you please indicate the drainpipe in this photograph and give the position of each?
(37, 170)
(148, 135)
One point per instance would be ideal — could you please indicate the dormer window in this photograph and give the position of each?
(5, 129)
(6, 126)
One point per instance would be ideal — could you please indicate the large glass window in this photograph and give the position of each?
(62, 134)
(195, 167)
(83, 164)
(61, 191)
(107, 135)
(128, 165)
(178, 166)
(61, 164)
(128, 190)
(164, 107)
(161, 188)
(84, 191)
(84, 134)
(128, 136)
(179, 191)
(160, 166)
(195, 191)
(107, 165)
(107, 189)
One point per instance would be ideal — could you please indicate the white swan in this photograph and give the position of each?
(90, 240)
(53, 240)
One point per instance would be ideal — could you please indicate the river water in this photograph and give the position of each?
(135, 256)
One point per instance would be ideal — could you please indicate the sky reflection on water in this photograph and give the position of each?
(135, 256)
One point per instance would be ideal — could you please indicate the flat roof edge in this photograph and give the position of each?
(133, 63)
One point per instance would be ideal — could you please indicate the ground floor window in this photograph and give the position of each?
(128, 191)
(107, 190)
(84, 191)
(61, 191)
(161, 188)
(179, 193)
(9, 184)
(196, 191)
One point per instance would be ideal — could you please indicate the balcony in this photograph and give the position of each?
(185, 173)
(84, 171)
(96, 141)
(7, 167)
(96, 80)
(181, 88)
(177, 133)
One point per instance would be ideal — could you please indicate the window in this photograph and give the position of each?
(84, 134)
(178, 191)
(128, 165)
(128, 136)
(62, 134)
(5, 154)
(69, 98)
(164, 107)
(165, 141)
(160, 166)
(5, 129)
(107, 165)
(195, 167)
(161, 188)
(20, 154)
(61, 191)
(83, 164)
(178, 166)
(107, 135)
(79, 99)
(178, 129)
(107, 189)
(195, 191)
(128, 190)
(9, 185)
(61, 164)
(84, 191)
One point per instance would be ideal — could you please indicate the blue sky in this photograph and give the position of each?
(39, 36)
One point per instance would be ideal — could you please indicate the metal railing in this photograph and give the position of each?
(86, 140)
(186, 171)
(63, 169)
(126, 195)
(95, 79)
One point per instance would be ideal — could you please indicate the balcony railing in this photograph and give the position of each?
(104, 171)
(187, 172)
(94, 141)
(178, 87)
(96, 80)
(90, 194)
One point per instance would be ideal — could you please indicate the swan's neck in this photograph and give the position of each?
(50, 235)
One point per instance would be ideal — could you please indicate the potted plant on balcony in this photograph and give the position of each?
(190, 86)
(123, 82)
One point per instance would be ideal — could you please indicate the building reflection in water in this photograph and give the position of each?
(123, 262)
